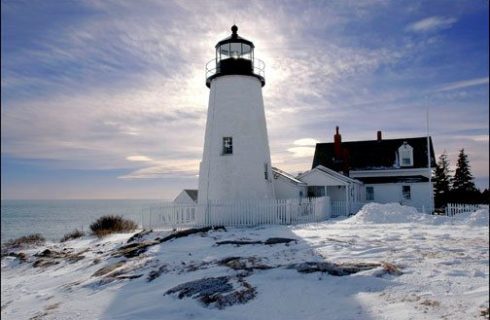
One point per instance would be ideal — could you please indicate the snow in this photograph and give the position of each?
(444, 263)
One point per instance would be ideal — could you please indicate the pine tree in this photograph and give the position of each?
(463, 179)
(442, 181)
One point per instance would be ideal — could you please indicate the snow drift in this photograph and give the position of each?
(375, 213)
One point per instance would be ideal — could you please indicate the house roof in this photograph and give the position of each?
(191, 193)
(399, 179)
(286, 175)
(336, 174)
(372, 154)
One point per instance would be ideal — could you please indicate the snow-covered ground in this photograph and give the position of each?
(444, 264)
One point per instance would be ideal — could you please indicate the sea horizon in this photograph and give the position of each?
(53, 218)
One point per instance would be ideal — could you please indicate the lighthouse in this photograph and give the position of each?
(236, 163)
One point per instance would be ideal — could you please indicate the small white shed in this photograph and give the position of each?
(187, 196)
(343, 191)
(286, 186)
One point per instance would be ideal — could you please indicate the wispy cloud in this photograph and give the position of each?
(434, 23)
(463, 84)
(122, 87)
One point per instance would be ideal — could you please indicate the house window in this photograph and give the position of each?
(369, 193)
(405, 153)
(227, 145)
(316, 191)
(266, 171)
(406, 193)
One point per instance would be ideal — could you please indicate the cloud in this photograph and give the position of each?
(124, 88)
(463, 84)
(302, 152)
(139, 158)
(430, 24)
(306, 142)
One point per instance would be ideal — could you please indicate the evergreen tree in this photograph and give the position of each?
(442, 181)
(463, 179)
(463, 189)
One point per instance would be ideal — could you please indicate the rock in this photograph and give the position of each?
(134, 249)
(139, 235)
(218, 291)
(187, 232)
(21, 256)
(202, 287)
(238, 242)
(279, 240)
(333, 269)
(42, 262)
(247, 264)
(269, 241)
(156, 273)
(105, 270)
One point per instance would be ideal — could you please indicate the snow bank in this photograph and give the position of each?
(376, 213)
(477, 218)
(388, 213)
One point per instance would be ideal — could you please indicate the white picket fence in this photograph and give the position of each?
(342, 208)
(457, 208)
(238, 213)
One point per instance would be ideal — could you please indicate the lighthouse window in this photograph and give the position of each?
(236, 50)
(227, 145)
(266, 171)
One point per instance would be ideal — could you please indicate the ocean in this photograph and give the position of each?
(54, 218)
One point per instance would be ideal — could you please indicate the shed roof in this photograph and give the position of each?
(288, 176)
(192, 193)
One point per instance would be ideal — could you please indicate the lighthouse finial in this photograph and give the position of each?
(234, 29)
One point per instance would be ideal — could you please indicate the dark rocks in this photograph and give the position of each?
(20, 255)
(187, 232)
(269, 241)
(107, 269)
(279, 240)
(44, 263)
(333, 269)
(134, 249)
(49, 257)
(156, 273)
(238, 242)
(247, 264)
(138, 236)
(202, 287)
(218, 291)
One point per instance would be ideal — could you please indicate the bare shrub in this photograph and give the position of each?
(391, 269)
(112, 224)
(72, 235)
(29, 240)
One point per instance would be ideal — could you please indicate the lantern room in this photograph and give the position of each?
(234, 56)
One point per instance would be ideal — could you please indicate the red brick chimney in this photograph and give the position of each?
(337, 140)
(379, 138)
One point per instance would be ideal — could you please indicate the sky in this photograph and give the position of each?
(107, 99)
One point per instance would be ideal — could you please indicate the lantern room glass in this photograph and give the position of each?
(234, 50)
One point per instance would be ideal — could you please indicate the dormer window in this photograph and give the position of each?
(405, 155)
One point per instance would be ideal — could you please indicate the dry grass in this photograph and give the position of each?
(392, 269)
(72, 235)
(112, 224)
(29, 240)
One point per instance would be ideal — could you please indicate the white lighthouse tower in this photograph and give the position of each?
(236, 163)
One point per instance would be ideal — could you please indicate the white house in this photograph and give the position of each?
(391, 170)
(236, 162)
(345, 193)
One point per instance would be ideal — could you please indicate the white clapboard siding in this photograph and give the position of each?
(238, 213)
